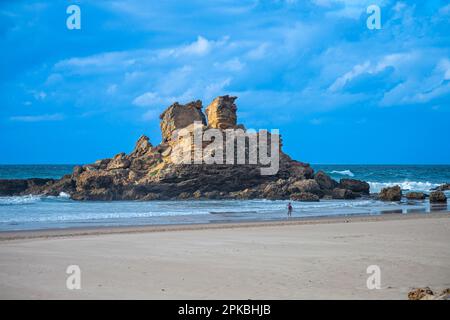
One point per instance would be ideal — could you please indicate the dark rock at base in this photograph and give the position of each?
(12, 187)
(339, 193)
(354, 185)
(274, 191)
(212, 195)
(415, 196)
(437, 197)
(391, 194)
(16, 187)
(444, 187)
(324, 181)
(308, 185)
(304, 196)
(184, 196)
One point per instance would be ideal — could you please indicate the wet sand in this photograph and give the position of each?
(321, 258)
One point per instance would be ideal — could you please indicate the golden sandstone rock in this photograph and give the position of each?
(221, 113)
(179, 116)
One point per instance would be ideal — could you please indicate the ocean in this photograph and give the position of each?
(37, 212)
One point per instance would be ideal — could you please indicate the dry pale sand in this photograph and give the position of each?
(314, 259)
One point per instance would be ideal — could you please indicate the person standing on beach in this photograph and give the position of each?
(289, 207)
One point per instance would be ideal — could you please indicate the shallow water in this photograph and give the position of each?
(35, 212)
(408, 177)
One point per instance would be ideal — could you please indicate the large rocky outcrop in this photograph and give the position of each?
(152, 172)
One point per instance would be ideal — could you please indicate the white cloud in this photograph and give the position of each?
(102, 62)
(200, 47)
(424, 89)
(39, 118)
(398, 61)
(54, 78)
(153, 99)
(230, 65)
(215, 89)
(151, 114)
(351, 9)
(444, 67)
(259, 52)
(347, 77)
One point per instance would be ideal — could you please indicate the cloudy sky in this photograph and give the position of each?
(338, 92)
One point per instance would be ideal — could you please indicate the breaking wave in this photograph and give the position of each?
(31, 199)
(405, 185)
(19, 200)
(343, 172)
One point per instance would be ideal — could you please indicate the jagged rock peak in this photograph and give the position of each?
(179, 116)
(221, 112)
(143, 145)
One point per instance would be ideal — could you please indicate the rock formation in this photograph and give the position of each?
(415, 196)
(155, 172)
(443, 187)
(179, 116)
(391, 194)
(356, 186)
(221, 113)
(438, 197)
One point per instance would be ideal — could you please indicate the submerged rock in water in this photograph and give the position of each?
(415, 196)
(391, 194)
(155, 172)
(438, 197)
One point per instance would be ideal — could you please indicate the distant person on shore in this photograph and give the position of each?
(289, 207)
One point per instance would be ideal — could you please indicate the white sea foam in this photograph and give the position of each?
(19, 200)
(64, 195)
(343, 172)
(405, 185)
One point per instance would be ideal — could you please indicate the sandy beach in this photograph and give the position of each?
(301, 259)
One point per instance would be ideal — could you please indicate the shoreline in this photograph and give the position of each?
(108, 230)
(308, 259)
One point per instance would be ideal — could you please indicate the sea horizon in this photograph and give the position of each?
(36, 212)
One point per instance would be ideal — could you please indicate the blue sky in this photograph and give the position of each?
(338, 92)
